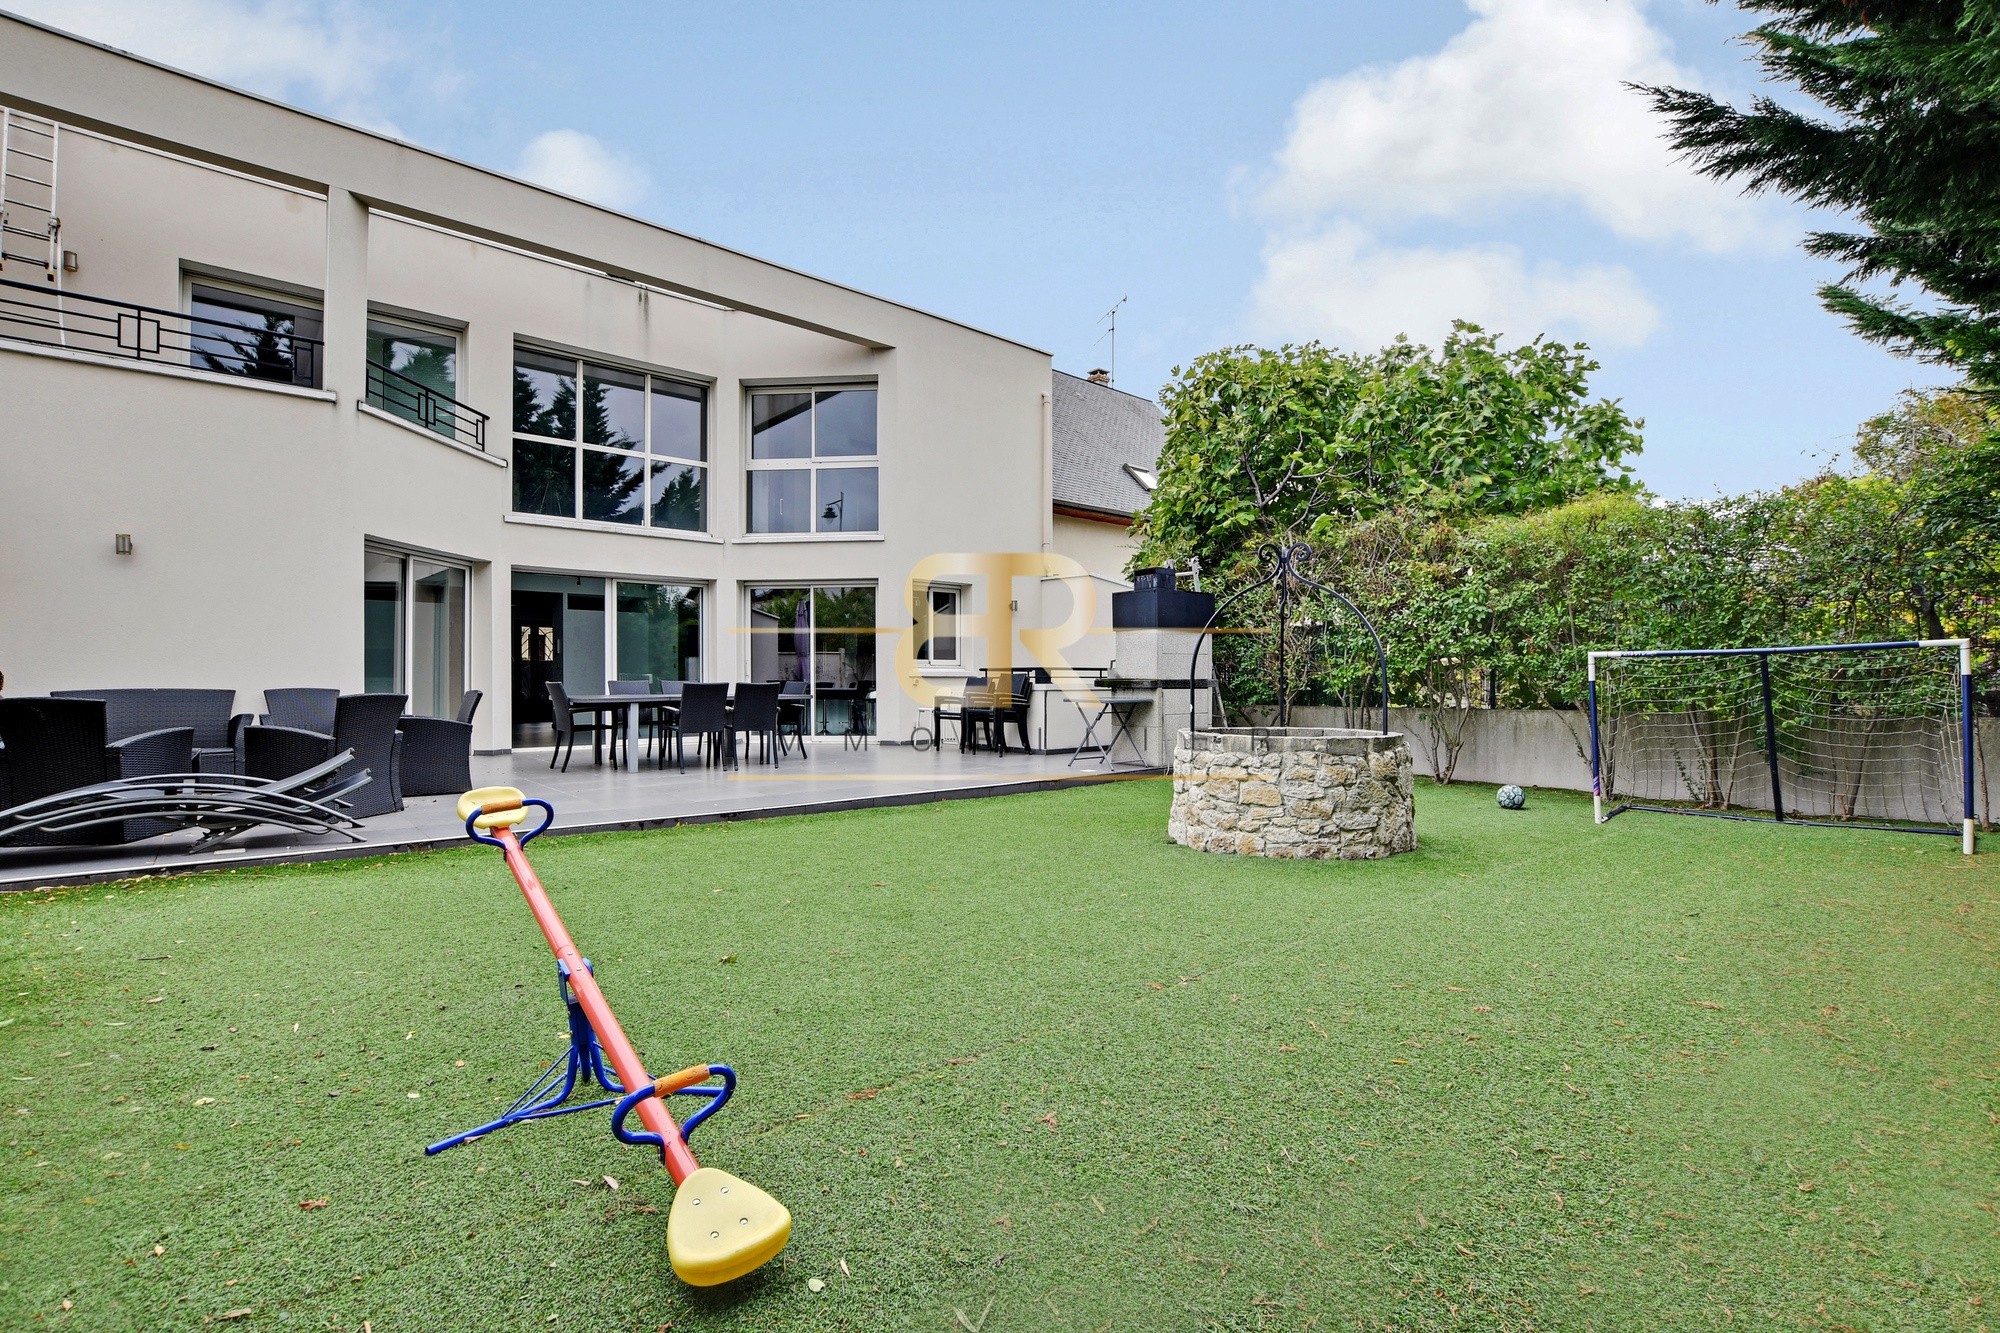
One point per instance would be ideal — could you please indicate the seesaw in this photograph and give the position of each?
(719, 1227)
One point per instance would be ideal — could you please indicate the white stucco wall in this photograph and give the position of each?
(249, 507)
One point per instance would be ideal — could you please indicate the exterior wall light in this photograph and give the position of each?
(122, 543)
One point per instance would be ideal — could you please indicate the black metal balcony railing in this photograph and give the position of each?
(421, 405)
(32, 313)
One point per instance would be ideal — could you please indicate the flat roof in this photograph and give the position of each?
(612, 267)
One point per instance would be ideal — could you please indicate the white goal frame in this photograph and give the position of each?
(1966, 740)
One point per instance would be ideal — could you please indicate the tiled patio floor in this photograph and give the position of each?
(590, 798)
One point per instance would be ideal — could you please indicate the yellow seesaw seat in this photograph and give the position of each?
(502, 804)
(720, 1228)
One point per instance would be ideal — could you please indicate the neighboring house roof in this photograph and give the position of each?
(1101, 438)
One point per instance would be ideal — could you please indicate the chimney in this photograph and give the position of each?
(1100, 376)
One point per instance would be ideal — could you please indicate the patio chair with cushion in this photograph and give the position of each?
(705, 716)
(756, 714)
(979, 716)
(57, 744)
(437, 751)
(136, 711)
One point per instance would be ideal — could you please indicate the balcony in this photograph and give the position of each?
(266, 348)
(424, 406)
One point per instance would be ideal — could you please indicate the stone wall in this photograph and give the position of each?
(1306, 793)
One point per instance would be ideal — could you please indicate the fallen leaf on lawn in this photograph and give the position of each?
(1049, 1120)
(814, 1284)
(843, 1269)
(729, 958)
(307, 1205)
(1156, 985)
(865, 1094)
(962, 1059)
(611, 1184)
(67, 1303)
(243, 1312)
(1467, 1253)
(204, 1101)
(156, 999)
(1805, 1187)
(1482, 1008)
(1704, 1004)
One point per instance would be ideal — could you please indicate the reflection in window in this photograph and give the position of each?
(544, 479)
(418, 360)
(824, 636)
(254, 335)
(659, 632)
(613, 487)
(802, 471)
(382, 622)
(626, 419)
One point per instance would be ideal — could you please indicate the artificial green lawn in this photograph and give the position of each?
(1023, 1063)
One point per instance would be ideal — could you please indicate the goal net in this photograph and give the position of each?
(1870, 735)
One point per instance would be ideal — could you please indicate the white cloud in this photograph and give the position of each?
(1526, 104)
(577, 164)
(330, 57)
(1341, 286)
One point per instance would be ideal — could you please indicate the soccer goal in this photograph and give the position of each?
(1851, 735)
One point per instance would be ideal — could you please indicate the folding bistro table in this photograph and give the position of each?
(1115, 708)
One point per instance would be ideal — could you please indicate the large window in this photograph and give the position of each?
(824, 636)
(609, 445)
(258, 335)
(414, 630)
(812, 462)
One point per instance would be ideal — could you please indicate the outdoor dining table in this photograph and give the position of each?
(631, 705)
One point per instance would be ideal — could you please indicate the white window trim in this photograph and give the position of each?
(596, 525)
(812, 462)
(644, 453)
(925, 661)
(406, 669)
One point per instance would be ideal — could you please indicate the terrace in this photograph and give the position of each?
(590, 797)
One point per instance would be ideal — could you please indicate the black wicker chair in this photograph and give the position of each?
(306, 708)
(59, 744)
(135, 712)
(705, 715)
(756, 714)
(437, 751)
(362, 723)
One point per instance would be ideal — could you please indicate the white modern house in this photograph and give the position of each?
(292, 403)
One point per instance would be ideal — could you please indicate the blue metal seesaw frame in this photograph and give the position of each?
(583, 1063)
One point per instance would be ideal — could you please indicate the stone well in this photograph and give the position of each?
(1306, 793)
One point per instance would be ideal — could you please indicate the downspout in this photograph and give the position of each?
(1048, 475)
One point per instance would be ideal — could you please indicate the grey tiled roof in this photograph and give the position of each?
(1096, 430)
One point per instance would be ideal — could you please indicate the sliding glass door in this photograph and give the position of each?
(823, 635)
(414, 629)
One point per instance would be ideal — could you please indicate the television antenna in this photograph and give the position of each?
(1111, 315)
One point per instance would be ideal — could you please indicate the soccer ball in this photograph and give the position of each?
(1512, 797)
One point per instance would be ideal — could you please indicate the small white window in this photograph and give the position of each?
(937, 630)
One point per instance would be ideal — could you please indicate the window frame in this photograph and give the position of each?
(649, 461)
(813, 463)
(406, 610)
(926, 656)
(396, 320)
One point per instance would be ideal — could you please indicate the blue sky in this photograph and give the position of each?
(1241, 173)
